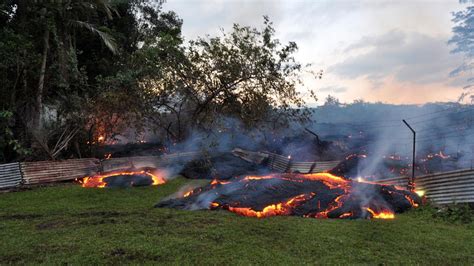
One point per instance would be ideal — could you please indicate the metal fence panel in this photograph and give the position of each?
(10, 175)
(54, 171)
(442, 188)
(123, 163)
(324, 166)
(114, 164)
(281, 163)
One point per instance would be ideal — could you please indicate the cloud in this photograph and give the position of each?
(208, 17)
(409, 57)
(333, 89)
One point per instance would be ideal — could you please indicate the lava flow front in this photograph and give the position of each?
(320, 195)
(124, 179)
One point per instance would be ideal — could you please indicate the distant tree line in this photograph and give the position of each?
(77, 73)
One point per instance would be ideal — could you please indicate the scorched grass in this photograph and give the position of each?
(70, 224)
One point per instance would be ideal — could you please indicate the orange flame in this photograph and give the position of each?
(98, 180)
(381, 215)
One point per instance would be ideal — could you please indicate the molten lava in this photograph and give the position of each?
(124, 178)
(320, 195)
(283, 208)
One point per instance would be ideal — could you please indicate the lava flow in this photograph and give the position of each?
(124, 179)
(320, 195)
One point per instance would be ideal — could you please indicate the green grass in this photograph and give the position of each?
(70, 224)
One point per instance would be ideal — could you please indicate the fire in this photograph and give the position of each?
(98, 181)
(420, 193)
(381, 215)
(442, 155)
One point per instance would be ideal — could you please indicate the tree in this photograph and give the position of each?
(92, 70)
(332, 101)
(79, 64)
(463, 39)
(246, 75)
(123, 86)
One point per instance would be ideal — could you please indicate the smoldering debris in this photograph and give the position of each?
(309, 195)
(220, 165)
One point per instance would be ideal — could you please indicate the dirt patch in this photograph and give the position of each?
(11, 259)
(52, 248)
(20, 216)
(52, 224)
(121, 254)
(103, 214)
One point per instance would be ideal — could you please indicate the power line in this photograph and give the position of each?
(376, 124)
(434, 118)
(412, 117)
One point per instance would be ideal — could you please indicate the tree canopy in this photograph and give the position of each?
(463, 40)
(77, 73)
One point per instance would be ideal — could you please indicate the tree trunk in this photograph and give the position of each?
(39, 92)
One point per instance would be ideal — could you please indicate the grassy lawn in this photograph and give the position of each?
(70, 224)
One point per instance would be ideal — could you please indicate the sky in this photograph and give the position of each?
(379, 51)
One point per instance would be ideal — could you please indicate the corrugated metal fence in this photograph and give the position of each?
(284, 164)
(56, 171)
(32, 173)
(10, 175)
(146, 161)
(442, 188)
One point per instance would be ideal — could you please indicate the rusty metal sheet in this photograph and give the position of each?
(123, 163)
(54, 171)
(10, 175)
(115, 164)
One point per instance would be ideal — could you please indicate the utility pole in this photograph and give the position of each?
(411, 181)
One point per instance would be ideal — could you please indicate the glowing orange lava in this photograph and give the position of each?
(98, 180)
(287, 207)
(283, 208)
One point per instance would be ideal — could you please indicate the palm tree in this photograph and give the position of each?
(65, 18)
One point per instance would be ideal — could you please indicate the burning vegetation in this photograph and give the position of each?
(320, 195)
(131, 178)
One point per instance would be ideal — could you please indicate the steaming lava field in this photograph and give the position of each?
(320, 195)
(71, 224)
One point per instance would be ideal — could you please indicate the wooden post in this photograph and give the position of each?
(312, 168)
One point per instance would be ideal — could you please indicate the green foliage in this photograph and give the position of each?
(463, 41)
(246, 75)
(460, 213)
(455, 213)
(110, 68)
(8, 142)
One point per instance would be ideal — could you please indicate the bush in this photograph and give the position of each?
(455, 213)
